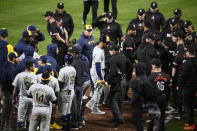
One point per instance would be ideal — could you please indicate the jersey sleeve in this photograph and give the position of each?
(52, 95)
(29, 92)
(15, 82)
(61, 77)
(56, 84)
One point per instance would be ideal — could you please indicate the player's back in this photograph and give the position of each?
(52, 83)
(42, 95)
(160, 80)
(23, 81)
(67, 75)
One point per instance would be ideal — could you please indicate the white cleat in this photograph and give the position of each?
(97, 111)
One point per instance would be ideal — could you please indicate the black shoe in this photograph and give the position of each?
(112, 121)
(117, 124)
(74, 127)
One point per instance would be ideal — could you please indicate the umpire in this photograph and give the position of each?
(117, 82)
(109, 27)
(114, 7)
(64, 18)
(86, 5)
(155, 17)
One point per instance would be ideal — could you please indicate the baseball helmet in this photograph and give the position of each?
(68, 59)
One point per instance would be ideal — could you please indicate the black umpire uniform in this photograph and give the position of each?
(117, 82)
(161, 81)
(65, 19)
(86, 8)
(114, 7)
(112, 29)
(139, 25)
(177, 16)
(155, 17)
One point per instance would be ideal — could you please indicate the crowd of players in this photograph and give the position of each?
(155, 57)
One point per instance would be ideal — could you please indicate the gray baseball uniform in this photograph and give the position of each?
(22, 82)
(42, 95)
(67, 76)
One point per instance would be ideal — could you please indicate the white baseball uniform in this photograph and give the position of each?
(42, 95)
(98, 57)
(67, 76)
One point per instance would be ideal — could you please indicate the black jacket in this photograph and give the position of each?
(180, 24)
(79, 66)
(113, 30)
(157, 19)
(140, 28)
(188, 77)
(67, 22)
(117, 64)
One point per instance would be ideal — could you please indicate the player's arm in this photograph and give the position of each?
(66, 36)
(96, 22)
(15, 94)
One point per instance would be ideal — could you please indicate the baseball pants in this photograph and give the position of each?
(40, 117)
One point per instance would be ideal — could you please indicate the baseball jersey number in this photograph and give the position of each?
(40, 98)
(27, 85)
(72, 80)
(160, 85)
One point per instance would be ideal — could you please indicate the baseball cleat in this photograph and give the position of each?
(55, 126)
(97, 111)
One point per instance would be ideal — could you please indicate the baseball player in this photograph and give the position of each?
(22, 83)
(42, 95)
(55, 86)
(98, 64)
(66, 81)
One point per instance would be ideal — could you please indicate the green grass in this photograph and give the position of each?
(17, 14)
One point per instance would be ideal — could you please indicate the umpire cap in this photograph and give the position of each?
(173, 21)
(177, 12)
(60, 5)
(109, 15)
(141, 12)
(187, 24)
(153, 5)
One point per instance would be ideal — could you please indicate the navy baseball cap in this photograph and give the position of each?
(60, 5)
(153, 5)
(141, 12)
(74, 49)
(43, 58)
(187, 24)
(109, 15)
(177, 12)
(68, 59)
(46, 76)
(26, 33)
(12, 55)
(4, 32)
(88, 28)
(105, 39)
(48, 13)
(31, 27)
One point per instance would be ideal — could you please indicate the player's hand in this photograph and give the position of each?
(101, 82)
(104, 14)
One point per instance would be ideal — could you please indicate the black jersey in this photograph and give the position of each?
(161, 81)
(53, 28)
